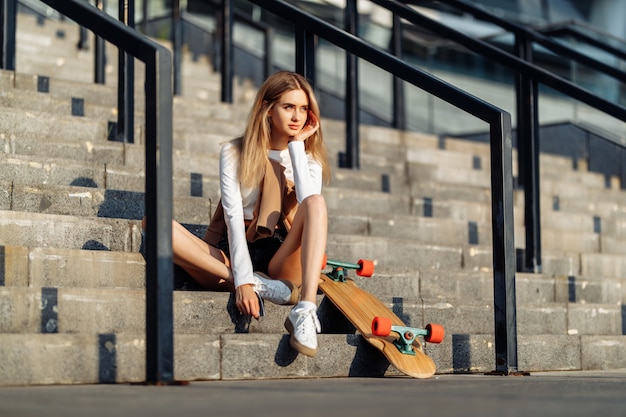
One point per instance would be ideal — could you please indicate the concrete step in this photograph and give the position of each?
(574, 190)
(75, 268)
(396, 255)
(47, 230)
(611, 245)
(90, 132)
(427, 230)
(604, 209)
(193, 176)
(97, 202)
(532, 319)
(117, 310)
(84, 301)
(25, 170)
(399, 256)
(422, 187)
(46, 53)
(96, 94)
(185, 106)
(18, 123)
(450, 231)
(107, 358)
(564, 231)
(39, 102)
(36, 123)
(71, 268)
(122, 310)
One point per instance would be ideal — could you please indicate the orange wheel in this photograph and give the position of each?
(381, 326)
(366, 268)
(435, 333)
(324, 260)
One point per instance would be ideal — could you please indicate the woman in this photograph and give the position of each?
(272, 219)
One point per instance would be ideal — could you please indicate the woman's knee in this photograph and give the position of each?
(315, 204)
(144, 224)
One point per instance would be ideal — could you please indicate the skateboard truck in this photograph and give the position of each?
(363, 268)
(381, 326)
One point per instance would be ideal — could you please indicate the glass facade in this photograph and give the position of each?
(600, 19)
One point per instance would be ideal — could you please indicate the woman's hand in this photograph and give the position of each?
(247, 301)
(310, 127)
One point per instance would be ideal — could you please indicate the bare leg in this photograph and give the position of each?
(299, 259)
(205, 263)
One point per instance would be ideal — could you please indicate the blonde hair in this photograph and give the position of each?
(255, 143)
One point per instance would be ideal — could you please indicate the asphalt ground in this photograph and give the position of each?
(541, 394)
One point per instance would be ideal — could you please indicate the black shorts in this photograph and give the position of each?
(261, 251)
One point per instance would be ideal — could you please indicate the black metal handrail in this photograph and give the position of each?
(571, 29)
(158, 192)
(8, 9)
(227, 16)
(499, 123)
(536, 37)
(178, 17)
(506, 59)
(529, 76)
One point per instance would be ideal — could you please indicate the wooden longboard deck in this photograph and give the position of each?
(360, 307)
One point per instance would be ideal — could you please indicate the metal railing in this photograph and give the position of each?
(529, 76)
(579, 31)
(224, 62)
(158, 167)
(7, 34)
(499, 123)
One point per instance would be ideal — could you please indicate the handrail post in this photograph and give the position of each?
(7, 34)
(351, 18)
(399, 110)
(269, 55)
(158, 177)
(505, 316)
(227, 51)
(144, 16)
(305, 55)
(83, 39)
(99, 52)
(177, 44)
(528, 157)
(159, 267)
(268, 34)
(126, 80)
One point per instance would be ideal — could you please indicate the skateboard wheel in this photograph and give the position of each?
(324, 261)
(435, 333)
(366, 268)
(381, 326)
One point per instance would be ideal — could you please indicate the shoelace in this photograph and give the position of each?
(308, 319)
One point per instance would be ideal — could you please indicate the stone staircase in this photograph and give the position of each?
(72, 294)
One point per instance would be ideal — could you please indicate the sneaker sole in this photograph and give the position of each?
(297, 346)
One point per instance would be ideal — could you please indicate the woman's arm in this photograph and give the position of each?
(307, 172)
(230, 187)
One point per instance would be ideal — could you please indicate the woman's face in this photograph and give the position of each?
(289, 114)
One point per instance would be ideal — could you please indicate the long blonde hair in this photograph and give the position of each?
(255, 142)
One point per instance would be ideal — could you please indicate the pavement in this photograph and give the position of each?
(539, 394)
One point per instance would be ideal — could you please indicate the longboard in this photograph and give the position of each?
(382, 328)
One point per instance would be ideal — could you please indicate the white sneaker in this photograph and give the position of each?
(274, 290)
(303, 324)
